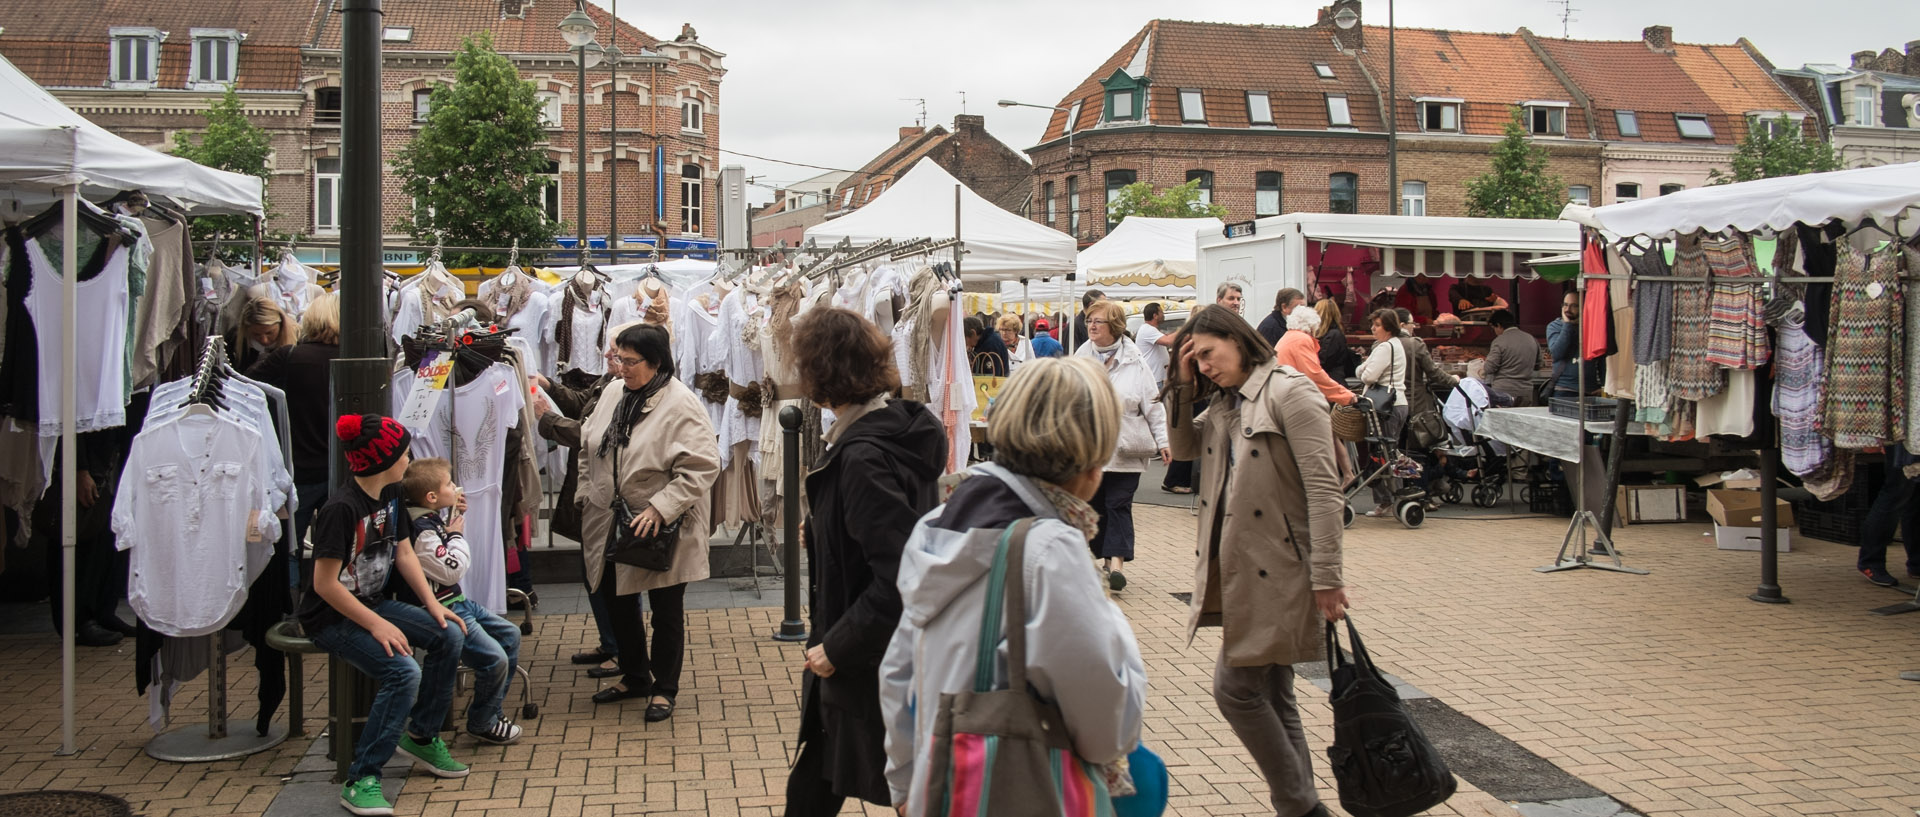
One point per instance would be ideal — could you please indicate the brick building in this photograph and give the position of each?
(1270, 119)
(1869, 109)
(147, 70)
(1278, 119)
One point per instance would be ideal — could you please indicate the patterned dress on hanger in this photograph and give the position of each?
(1736, 325)
(1865, 400)
(1690, 374)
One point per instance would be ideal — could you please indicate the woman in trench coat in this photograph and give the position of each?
(1269, 548)
(657, 432)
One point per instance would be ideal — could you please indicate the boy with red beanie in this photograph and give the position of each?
(361, 538)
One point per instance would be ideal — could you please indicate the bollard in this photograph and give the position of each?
(791, 628)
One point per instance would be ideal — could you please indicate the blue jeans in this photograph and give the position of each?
(492, 650)
(420, 694)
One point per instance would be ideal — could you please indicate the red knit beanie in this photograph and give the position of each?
(373, 443)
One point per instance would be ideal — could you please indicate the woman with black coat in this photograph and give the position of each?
(880, 475)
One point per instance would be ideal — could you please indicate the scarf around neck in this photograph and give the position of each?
(632, 405)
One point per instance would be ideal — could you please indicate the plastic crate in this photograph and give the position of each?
(1549, 498)
(1843, 528)
(1599, 409)
(1838, 519)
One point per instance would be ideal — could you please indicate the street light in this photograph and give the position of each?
(1008, 103)
(578, 30)
(1346, 19)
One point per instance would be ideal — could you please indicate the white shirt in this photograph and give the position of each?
(189, 489)
(481, 410)
(1148, 340)
(100, 351)
(246, 404)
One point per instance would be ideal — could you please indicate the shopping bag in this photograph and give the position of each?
(1383, 763)
(986, 389)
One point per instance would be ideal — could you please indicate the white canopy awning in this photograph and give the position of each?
(1147, 252)
(1880, 193)
(1524, 236)
(1000, 246)
(45, 146)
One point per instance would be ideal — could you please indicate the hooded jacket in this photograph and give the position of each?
(879, 476)
(1143, 420)
(1081, 652)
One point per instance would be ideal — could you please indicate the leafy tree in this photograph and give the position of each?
(1517, 186)
(476, 169)
(1138, 199)
(1776, 148)
(230, 142)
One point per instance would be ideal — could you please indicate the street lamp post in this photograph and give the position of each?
(1347, 19)
(578, 30)
(1008, 103)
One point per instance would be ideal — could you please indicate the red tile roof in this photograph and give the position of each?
(1224, 62)
(1629, 76)
(1491, 72)
(1733, 79)
(265, 22)
(441, 25)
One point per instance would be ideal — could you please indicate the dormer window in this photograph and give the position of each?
(1771, 124)
(1547, 118)
(1125, 97)
(1259, 108)
(1440, 115)
(136, 56)
(1866, 106)
(1323, 70)
(216, 57)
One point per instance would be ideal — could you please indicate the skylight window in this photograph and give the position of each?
(1337, 113)
(1323, 70)
(1693, 126)
(1628, 121)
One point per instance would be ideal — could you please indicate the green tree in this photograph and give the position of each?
(1138, 199)
(230, 142)
(1517, 186)
(476, 169)
(1775, 148)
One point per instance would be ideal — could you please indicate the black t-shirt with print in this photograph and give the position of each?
(364, 533)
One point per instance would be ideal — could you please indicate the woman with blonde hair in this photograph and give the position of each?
(1053, 429)
(1143, 434)
(302, 372)
(1336, 358)
(262, 326)
(1019, 349)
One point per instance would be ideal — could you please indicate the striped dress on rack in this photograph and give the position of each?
(1736, 323)
(1865, 399)
(1690, 374)
(1913, 350)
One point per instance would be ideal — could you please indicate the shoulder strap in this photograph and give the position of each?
(1006, 603)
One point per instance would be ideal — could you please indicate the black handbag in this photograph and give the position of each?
(628, 548)
(1383, 763)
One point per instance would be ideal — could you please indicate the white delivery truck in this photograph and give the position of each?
(1267, 255)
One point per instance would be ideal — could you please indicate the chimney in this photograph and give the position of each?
(911, 131)
(1913, 58)
(969, 122)
(1658, 38)
(1349, 39)
(1863, 60)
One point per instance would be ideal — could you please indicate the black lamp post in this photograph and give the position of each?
(578, 29)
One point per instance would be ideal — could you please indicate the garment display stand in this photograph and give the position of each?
(214, 741)
(1576, 549)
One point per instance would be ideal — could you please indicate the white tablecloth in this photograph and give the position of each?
(1539, 430)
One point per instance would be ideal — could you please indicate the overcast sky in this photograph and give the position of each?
(824, 82)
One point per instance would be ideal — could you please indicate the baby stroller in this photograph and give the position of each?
(1409, 503)
(1472, 460)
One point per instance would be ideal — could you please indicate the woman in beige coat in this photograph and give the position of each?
(1269, 538)
(657, 431)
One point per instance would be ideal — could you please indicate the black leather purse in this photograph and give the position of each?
(628, 548)
(1383, 763)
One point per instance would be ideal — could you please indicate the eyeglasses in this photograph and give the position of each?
(624, 361)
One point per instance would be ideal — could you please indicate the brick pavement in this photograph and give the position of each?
(1670, 692)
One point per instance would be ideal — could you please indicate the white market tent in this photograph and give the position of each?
(49, 155)
(1158, 252)
(1000, 246)
(1879, 193)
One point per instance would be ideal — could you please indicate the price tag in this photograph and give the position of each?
(206, 288)
(429, 389)
(1875, 290)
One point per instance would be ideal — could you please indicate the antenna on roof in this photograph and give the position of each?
(922, 121)
(963, 102)
(1566, 17)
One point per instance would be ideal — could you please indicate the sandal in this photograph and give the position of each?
(1180, 490)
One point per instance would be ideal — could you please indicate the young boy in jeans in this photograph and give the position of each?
(492, 646)
(358, 539)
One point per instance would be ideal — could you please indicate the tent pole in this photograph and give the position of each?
(70, 317)
(959, 250)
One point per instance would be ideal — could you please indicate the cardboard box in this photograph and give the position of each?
(1640, 504)
(1742, 509)
(1728, 537)
(1740, 480)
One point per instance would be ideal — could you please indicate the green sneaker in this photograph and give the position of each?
(433, 757)
(363, 797)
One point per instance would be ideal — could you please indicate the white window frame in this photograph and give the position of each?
(1617, 191)
(1339, 115)
(692, 200)
(847, 200)
(552, 196)
(1866, 105)
(1260, 195)
(1580, 194)
(1073, 206)
(1556, 113)
(1260, 112)
(1206, 187)
(135, 78)
(1411, 201)
(1670, 188)
(1682, 120)
(396, 34)
(225, 38)
(1323, 70)
(326, 219)
(1050, 206)
(1133, 107)
(1445, 106)
(1627, 121)
(551, 114)
(1073, 116)
(420, 113)
(694, 111)
(1193, 106)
